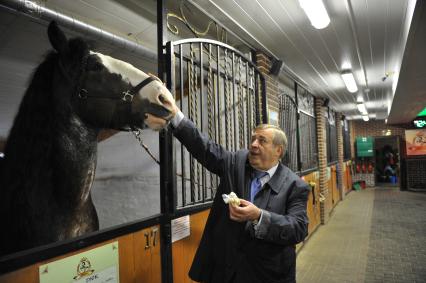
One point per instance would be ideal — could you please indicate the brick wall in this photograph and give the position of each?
(264, 64)
(322, 158)
(376, 128)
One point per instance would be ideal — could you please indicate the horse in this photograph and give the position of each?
(50, 154)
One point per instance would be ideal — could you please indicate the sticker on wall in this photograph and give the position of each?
(180, 228)
(273, 117)
(99, 265)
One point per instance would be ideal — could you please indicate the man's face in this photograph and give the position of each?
(263, 154)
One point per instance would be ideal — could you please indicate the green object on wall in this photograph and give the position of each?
(364, 147)
(422, 113)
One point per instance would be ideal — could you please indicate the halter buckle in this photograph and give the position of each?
(127, 96)
(82, 93)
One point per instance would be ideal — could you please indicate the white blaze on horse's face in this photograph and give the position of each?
(155, 91)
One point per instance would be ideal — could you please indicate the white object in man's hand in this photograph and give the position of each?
(231, 199)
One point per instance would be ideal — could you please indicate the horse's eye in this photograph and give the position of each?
(95, 66)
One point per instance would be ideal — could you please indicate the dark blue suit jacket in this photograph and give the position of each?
(235, 252)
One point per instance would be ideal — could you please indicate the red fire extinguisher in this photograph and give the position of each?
(363, 168)
(370, 167)
(358, 169)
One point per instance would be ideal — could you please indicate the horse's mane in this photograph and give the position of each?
(42, 115)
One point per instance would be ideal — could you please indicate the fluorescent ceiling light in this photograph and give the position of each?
(362, 108)
(349, 80)
(316, 13)
(365, 118)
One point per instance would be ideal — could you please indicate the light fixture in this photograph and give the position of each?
(365, 118)
(316, 12)
(349, 80)
(362, 108)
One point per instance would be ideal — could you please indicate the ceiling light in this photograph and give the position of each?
(349, 80)
(362, 108)
(316, 12)
(365, 118)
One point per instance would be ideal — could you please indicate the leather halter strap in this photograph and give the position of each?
(127, 95)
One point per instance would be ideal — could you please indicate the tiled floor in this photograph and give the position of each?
(375, 235)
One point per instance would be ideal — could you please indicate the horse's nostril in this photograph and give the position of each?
(162, 98)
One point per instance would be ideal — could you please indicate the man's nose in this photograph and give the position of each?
(254, 143)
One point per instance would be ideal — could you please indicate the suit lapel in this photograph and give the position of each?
(273, 186)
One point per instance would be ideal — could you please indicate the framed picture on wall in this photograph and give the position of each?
(415, 141)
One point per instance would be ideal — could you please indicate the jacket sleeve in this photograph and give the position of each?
(290, 228)
(211, 155)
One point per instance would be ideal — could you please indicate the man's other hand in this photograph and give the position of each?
(245, 212)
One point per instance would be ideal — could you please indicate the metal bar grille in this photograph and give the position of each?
(308, 142)
(288, 123)
(346, 141)
(218, 88)
(331, 137)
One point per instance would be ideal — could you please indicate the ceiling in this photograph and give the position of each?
(367, 35)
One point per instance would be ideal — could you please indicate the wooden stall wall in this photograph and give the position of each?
(333, 185)
(139, 259)
(184, 250)
(347, 177)
(314, 213)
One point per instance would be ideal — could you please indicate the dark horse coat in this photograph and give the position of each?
(232, 251)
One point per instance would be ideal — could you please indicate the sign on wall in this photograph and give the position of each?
(420, 122)
(99, 265)
(364, 147)
(416, 141)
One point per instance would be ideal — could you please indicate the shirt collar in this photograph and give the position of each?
(271, 171)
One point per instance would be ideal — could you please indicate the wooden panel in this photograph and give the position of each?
(24, 275)
(147, 256)
(126, 258)
(184, 249)
(313, 206)
(155, 255)
(130, 258)
(335, 190)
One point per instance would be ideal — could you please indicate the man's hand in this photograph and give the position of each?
(245, 212)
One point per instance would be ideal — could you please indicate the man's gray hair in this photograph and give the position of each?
(279, 138)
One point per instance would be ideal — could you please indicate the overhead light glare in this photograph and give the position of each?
(316, 12)
(362, 108)
(365, 118)
(349, 80)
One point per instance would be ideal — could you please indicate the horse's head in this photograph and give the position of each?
(107, 92)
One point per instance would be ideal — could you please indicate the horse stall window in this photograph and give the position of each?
(126, 185)
(307, 130)
(217, 87)
(331, 136)
(346, 140)
(288, 123)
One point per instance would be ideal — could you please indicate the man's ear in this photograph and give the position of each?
(280, 150)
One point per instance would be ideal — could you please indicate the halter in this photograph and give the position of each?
(126, 97)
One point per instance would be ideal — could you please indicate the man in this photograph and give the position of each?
(254, 242)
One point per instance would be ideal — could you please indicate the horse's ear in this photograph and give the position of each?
(57, 38)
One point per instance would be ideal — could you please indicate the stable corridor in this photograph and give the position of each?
(373, 235)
